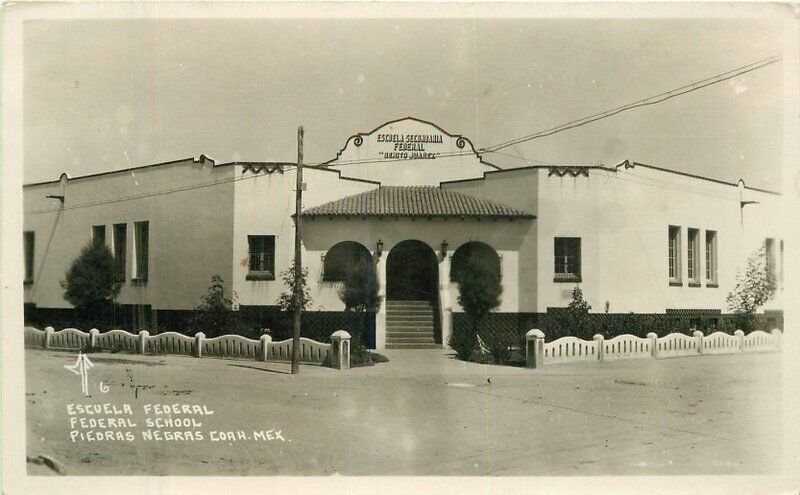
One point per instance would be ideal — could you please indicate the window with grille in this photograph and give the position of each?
(28, 240)
(141, 245)
(261, 265)
(693, 256)
(674, 256)
(711, 257)
(567, 259)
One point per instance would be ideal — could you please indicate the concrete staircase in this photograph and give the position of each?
(409, 325)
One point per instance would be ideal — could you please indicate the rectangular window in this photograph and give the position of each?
(99, 234)
(28, 239)
(120, 248)
(711, 258)
(674, 242)
(693, 257)
(261, 257)
(567, 252)
(770, 247)
(141, 233)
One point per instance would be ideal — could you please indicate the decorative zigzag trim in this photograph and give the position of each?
(572, 171)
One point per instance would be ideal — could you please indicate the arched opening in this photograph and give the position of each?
(412, 272)
(343, 259)
(412, 297)
(351, 264)
(478, 252)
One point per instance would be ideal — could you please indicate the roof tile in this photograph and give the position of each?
(414, 201)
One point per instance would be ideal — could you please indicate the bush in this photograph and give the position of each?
(287, 299)
(89, 284)
(360, 290)
(479, 290)
(361, 300)
(499, 342)
(361, 356)
(463, 341)
(753, 288)
(214, 316)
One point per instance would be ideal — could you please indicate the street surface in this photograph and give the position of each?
(423, 414)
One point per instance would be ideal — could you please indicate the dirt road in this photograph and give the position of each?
(422, 414)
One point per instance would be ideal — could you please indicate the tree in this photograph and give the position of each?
(754, 287)
(578, 311)
(360, 290)
(360, 297)
(479, 291)
(286, 300)
(215, 315)
(575, 320)
(89, 284)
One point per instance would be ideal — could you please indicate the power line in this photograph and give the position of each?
(641, 103)
(148, 195)
(725, 76)
(490, 149)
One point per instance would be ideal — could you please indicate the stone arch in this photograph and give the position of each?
(474, 250)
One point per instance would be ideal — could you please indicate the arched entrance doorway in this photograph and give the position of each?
(411, 272)
(412, 296)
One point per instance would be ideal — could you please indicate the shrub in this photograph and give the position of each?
(463, 341)
(214, 316)
(360, 297)
(479, 292)
(361, 356)
(574, 320)
(360, 290)
(754, 287)
(287, 299)
(499, 342)
(89, 284)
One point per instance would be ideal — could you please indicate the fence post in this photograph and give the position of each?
(143, 334)
(698, 336)
(198, 344)
(653, 344)
(534, 348)
(340, 347)
(776, 334)
(93, 333)
(601, 346)
(266, 340)
(740, 335)
(48, 334)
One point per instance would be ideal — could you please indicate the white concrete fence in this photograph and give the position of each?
(336, 354)
(572, 349)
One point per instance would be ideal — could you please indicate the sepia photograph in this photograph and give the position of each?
(432, 241)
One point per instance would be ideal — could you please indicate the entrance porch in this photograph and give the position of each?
(410, 237)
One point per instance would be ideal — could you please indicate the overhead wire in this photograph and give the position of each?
(490, 149)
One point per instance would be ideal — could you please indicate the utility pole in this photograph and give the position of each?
(298, 265)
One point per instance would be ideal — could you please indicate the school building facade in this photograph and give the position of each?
(415, 202)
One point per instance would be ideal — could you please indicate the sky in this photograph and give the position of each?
(102, 95)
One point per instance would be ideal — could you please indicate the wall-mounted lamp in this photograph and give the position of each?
(379, 247)
(444, 249)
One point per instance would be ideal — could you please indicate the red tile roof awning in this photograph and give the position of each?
(414, 201)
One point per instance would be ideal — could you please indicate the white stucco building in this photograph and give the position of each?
(417, 201)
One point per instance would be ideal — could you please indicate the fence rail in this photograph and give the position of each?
(572, 349)
(335, 355)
